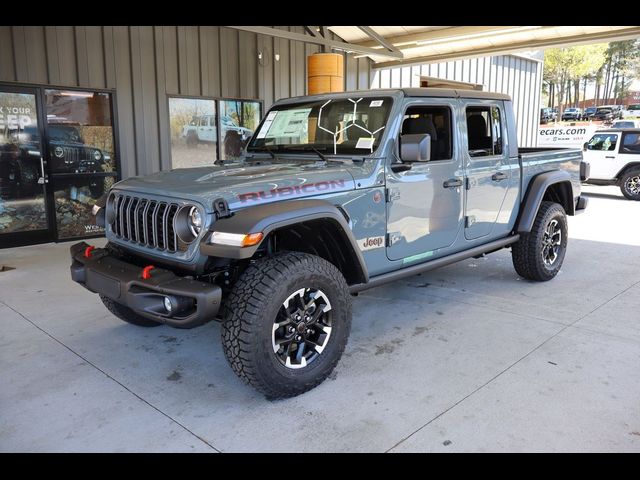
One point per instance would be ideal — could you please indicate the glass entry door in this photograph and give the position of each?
(81, 156)
(24, 212)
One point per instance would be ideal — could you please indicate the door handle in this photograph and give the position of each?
(452, 183)
(609, 157)
(496, 177)
(43, 179)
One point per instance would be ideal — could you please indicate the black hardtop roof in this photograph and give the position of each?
(410, 92)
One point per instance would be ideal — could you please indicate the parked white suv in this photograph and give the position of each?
(613, 156)
(203, 129)
(631, 111)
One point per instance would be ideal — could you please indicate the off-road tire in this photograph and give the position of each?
(192, 140)
(252, 307)
(624, 185)
(526, 253)
(126, 314)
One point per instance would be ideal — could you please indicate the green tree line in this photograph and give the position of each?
(568, 71)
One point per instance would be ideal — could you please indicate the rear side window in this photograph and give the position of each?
(603, 141)
(484, 131)
(631, 143)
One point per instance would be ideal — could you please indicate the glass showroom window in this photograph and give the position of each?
(238, 120)
(194, 136)
(82, 158)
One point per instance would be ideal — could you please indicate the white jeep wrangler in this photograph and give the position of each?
(613, 156)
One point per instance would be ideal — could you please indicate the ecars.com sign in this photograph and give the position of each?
(565, 136)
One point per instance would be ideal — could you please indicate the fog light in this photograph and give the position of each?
(168, 305)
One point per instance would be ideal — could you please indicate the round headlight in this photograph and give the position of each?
(97, 155)
(195, 221)
(58, 152)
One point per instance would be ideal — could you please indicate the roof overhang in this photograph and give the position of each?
(429, 44)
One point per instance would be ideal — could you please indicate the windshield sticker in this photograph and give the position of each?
(289, 123)
(267, 124)
(365, 142)
(376, 103)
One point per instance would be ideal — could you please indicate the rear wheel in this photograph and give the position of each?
(539, 254)
(126, 314)
(630, 184)
(286, 323)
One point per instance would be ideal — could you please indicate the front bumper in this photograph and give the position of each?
(101, 272)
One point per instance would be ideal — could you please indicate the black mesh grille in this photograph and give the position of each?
(145, 222)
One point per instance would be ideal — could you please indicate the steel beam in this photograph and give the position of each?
(380, 39)
(598, 37)
(274, 32)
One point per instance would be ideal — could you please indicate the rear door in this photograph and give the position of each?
(629, 150)
(488, 167)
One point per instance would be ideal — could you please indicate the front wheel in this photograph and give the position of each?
(286, 323)
(539, 254)
(630, 185)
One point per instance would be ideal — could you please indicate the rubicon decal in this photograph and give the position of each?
(283, 192)
(371, 243)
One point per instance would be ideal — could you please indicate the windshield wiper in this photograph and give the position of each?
(263, 149)
(307, 149)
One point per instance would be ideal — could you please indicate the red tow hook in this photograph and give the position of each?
(88, 250)
(146, 272)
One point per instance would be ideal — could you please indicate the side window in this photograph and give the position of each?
(484, 131)
(436, 121)
(204, 121)
(631, 143)
(603, 141)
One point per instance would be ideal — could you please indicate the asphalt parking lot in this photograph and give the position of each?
(466, 358)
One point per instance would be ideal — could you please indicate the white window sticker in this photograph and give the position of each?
(365, 142)
(376, 103)
(267, 124)
(289, 123)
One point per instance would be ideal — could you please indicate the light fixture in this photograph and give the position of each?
(236, 239)
(277, 57)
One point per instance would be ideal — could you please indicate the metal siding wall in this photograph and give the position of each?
(145, 64)
(518, 77)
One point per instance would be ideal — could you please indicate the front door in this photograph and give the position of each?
(603, 157)
(424, 209)
(24, 212)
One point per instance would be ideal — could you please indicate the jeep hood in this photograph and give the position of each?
(244, 184)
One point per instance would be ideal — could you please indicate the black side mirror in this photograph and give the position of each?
(585, 146)
(415, 147)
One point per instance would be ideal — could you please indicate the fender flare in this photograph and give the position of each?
(623, 170)
(268, 217)
(533, 198)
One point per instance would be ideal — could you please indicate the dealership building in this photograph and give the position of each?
(84, 106)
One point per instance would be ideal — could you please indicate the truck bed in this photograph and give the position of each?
(534, 161)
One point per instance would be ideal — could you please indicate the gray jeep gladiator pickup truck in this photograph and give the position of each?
(334, 194)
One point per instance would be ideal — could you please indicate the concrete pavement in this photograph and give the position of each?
(466, 358)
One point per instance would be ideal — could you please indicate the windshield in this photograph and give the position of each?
(340, 126)
(604, 110)
(64, 133)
